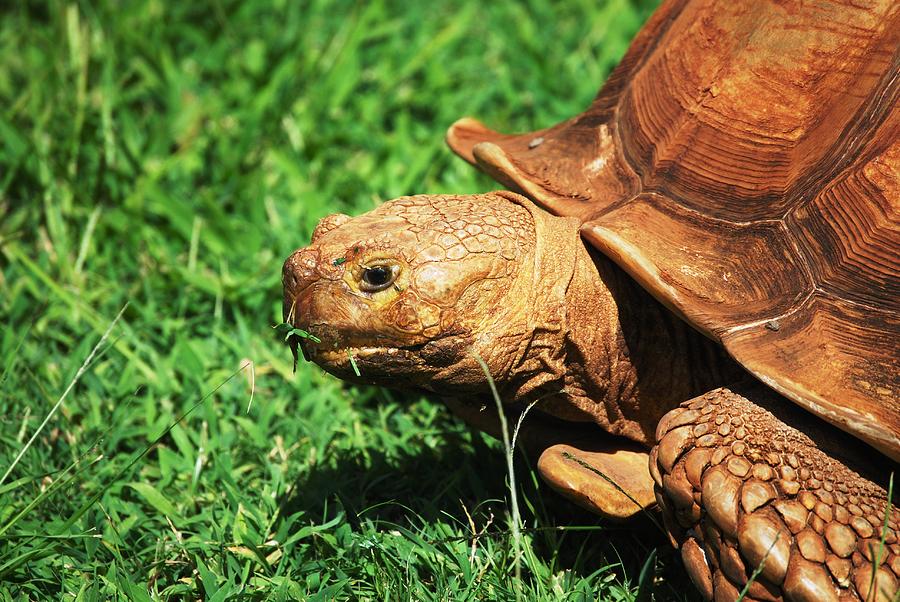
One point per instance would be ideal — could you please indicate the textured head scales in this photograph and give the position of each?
(743, 164)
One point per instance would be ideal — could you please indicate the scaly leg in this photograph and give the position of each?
(746, 479)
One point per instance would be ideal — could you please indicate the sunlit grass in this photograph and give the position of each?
(170, 156)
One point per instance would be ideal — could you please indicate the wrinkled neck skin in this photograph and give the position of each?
(595, 347)
(495, 277)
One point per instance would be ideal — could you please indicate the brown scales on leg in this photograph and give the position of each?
(740, 488)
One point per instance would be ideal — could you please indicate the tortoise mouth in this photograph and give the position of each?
(364, 351)
(371, 363)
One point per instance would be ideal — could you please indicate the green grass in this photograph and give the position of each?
(169, 156)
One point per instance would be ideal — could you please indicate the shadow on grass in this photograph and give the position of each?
(467, 469)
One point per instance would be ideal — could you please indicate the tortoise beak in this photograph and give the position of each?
(298, 274)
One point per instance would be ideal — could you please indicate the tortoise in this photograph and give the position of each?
(696, 281)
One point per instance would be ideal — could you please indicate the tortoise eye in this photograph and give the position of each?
(378, 277)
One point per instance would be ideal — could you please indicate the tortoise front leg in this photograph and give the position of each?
(746, 480)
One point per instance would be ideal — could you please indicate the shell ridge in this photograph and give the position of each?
(660, 31)
(848, 149)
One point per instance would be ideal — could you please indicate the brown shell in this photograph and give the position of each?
(743, 163)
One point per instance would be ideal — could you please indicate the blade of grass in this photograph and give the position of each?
(65, 393)
(645, 579)
(353, 363)
(511, 473)
(879, 554)
(618, 487)
(14, 355)
(97, 495)
(76, 303)
(63, 480)
(757, 570)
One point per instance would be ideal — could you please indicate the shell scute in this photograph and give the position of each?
(743, 164)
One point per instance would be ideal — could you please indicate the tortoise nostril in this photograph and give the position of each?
(300, 270)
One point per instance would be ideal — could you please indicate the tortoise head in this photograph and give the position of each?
(417, 288)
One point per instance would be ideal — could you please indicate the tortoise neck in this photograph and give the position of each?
(629, 359)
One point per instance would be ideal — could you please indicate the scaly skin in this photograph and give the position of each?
(495, 277)
(737, 480)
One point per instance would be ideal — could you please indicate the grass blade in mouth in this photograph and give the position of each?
(353, 362)
(289, 331)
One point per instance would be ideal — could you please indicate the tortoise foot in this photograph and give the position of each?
(752, 499)
(598, 471)
(611, 480)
